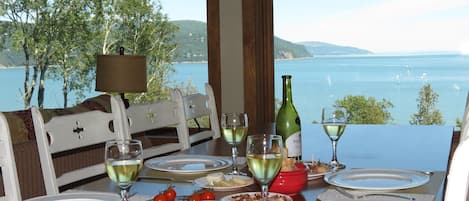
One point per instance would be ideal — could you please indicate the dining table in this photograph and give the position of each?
(401, 147)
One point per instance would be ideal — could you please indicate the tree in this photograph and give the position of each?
(144, 30)
(364, 110)
(73, 62)
(36, 31)
(427, 113)
(20, 13)
(66, 35)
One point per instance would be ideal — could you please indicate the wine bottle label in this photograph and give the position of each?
(293, 144)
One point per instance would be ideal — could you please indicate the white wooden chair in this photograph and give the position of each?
(199, 105)
(69, 132)
(9, 175)
(155, 115)
(458, 176)
(465, 122)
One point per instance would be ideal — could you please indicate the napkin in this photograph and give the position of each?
(333, 195)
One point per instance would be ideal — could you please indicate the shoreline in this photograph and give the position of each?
(316, 56)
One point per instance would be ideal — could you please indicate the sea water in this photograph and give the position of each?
(320, 81)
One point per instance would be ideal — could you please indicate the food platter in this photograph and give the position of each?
(315, 173)
(256, 196)
(203, 182)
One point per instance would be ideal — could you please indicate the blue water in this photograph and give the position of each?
(320, 81)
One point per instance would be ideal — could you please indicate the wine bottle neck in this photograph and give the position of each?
(287, 94)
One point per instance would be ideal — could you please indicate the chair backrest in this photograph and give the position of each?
(11, 184)
(67, 133)
(199, 105)
(457, 183)
(465, 122)
(155, 115)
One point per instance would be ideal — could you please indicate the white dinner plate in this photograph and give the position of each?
(271, 194)
(203, 183)
(188, 163)
(81, 196)
(377, 179)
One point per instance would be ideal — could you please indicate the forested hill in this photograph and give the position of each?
(192, 43)
(321, 48)
(191, 38)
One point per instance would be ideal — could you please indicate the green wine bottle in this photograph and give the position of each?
(288, 123)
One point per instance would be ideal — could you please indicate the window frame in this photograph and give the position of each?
(258, 60)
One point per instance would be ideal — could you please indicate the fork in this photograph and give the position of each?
(356, 197)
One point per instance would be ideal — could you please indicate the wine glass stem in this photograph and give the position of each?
(265, 192)
(334, 152)
(234, 154)
(124, 194)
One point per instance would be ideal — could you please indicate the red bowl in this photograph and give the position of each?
(291, 182)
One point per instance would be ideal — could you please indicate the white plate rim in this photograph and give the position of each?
(203, 183)
(330, 178)
(317, 176)
(228, 197)
(150, 163)
(102, 196)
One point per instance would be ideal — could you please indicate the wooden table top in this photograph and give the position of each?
(423, 148)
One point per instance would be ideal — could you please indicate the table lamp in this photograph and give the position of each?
(121, 74)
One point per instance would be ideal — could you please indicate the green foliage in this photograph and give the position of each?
(458, 125)
(427, 113)
(73, 62)
(144, 30)
(364, 110)
(61, 39)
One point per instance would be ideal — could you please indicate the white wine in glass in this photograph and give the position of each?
(333, 121)
(124, 159)
(264, 159)
(234, 128)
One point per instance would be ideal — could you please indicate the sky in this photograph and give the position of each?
(380, 26)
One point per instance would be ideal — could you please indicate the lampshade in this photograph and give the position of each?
(121, 73)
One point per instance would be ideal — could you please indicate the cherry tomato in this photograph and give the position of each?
(170, 193)
(160, 197)
(207, 195)
(194, 197)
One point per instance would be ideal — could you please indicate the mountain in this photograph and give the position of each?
(321, 48)
(192, 43)
(287, 50)
(191, 40)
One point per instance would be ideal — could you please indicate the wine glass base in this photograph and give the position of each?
(336, 165)
(237, 173)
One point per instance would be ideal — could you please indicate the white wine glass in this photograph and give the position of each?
(234, 128)
(264, 158)
(333, 121)
(124, 159)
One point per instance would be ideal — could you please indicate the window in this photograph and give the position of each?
(190, 64)
(383, 49)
